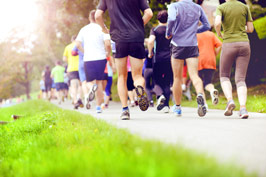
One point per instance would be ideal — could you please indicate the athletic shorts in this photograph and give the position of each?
(130, 82)
(48, 86)
(206, 76)
(59, 86)
(183, 53)
(73, 75)
(65, 86)
(94, 70)
(133, 49)
(82, 75)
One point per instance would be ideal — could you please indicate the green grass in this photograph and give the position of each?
(50, 142)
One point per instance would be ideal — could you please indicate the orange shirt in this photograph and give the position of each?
(207, 42)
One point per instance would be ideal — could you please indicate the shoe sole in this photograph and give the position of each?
(125, 118)
(160, 106)
(88, 106)
(143, 102)
(202, 110)
(229, 109)
(244, 116)
(92, 93)
(215, 99)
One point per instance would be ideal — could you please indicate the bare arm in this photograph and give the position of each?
(107, 45)
(79, 46)
(64, 58)
(250, 27)
(147, 16)
(100, 21)
(217, 50)
(151, 45)
(218, 24)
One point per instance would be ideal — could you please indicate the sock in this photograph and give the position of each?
(125, 108)
(177, 105)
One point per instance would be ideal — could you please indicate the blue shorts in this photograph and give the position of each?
(95, 70)
(60, 86)
(82, 75)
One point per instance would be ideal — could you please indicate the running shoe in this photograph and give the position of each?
(125, 115)
(98, 109)
(160, 103)
(202, 110)
(165, 109)
(215, 95)
(92, 92)
(243, 113)
(81, 105)
(88, 105)
(229, 108)
(177, 110)
(142, 98)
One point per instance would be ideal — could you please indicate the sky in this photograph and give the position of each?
(21, 14)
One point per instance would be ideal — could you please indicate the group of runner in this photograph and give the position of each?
(177, 42)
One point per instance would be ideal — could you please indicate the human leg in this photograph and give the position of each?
(177, 67)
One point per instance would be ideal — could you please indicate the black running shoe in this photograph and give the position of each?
(92, 92)
(202, 110)
(125, 115)
(81, 105)
(160, 103)
(143, 101)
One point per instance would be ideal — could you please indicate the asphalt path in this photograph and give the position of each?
(228, 139)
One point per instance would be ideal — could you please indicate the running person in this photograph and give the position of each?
(97, 48)
(183, 19)
(58, 75)
(162, 71)
(209, 48)
(73, 74)
(237, 22)
(47, 83)
(127, 31)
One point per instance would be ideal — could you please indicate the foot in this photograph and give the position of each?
(243, 113)
(142, 98)
(165, 109)
(81, 105)
(177, 110)
(229, 108)
(160, 103)
(202, 110)
(92, 92)
(98, 109)
(125, 115)
(214, 95)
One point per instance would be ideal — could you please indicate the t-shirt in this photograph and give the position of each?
(126, 19)
(207, 42)
(58, 74)
(93, 39)
(235, 16)
(162, 45)
(72, 61)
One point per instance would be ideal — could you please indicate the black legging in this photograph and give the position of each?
(163, 78)
(148, 73)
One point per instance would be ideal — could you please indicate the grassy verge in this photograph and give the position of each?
(48, 141)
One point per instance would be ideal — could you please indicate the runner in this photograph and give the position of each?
(162, 71)
(237, 22)
(127, 31)
(97, 47)
(82, 75)
(58, 75)
(73, 74)
(209, 48)
(183, 19)
(47, 82)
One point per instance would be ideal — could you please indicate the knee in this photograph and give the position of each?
(224, 79)
(240, 82)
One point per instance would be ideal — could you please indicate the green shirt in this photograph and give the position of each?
(58, 74)
(235, 16)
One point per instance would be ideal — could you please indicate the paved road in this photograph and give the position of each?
(242, 142)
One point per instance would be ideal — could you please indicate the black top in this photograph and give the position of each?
(162, 45)
(126, 19)
(47, 76)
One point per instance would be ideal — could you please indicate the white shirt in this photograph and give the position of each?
(93, 38)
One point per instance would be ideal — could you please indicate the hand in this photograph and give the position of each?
(168, 37)
(150, 55)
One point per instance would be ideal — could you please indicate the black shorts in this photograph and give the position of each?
(47, 86)
(65, 86)
(133, 49)
(73, 75)
(94, 70)
(59, 86)
(130, 82)
(206, 76)
(183, 53)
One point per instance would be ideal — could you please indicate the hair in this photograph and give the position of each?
(92, 16)
(162, 16)
(58, 62)
(73, 38)
(47, 68)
